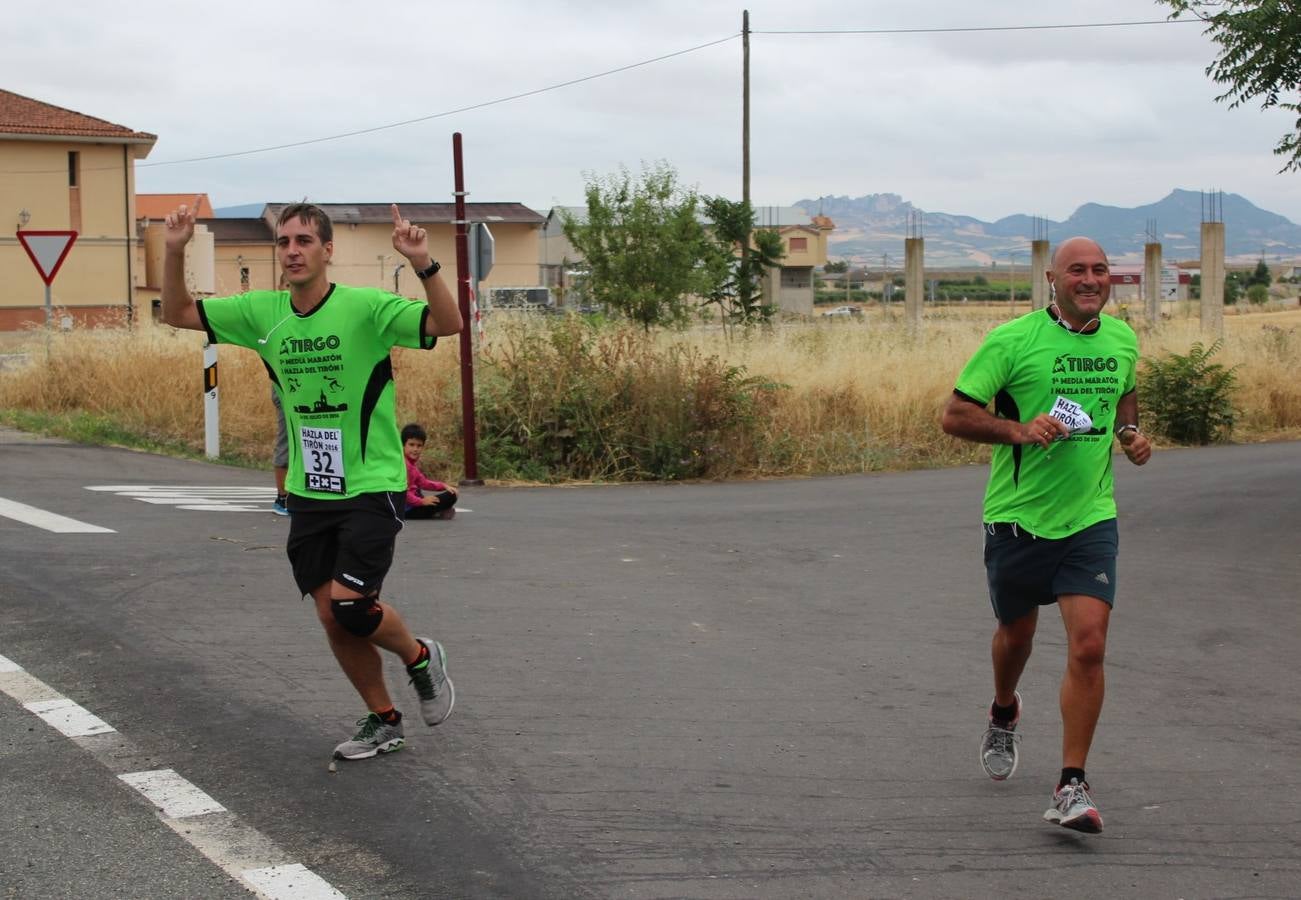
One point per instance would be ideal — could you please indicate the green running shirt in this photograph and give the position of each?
(332, 368)
(1023, 367)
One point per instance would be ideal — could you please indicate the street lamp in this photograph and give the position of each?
(396, 269)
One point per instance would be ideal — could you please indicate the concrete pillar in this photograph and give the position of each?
(1152, 282)
(1038, 280)
(1213, 277)
(914, 283)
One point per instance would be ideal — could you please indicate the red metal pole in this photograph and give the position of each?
(470, 440)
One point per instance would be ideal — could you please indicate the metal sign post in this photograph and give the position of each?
(211, 406)
(47, 250)
(468, 434)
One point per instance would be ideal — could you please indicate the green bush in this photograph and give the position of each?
(1188, 398)
(565, 401)
(1258, 294)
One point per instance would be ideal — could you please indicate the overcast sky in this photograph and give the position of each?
(985, 124)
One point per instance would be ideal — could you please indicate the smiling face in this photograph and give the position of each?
(1082, 277)
(412, 448)
(303, 256)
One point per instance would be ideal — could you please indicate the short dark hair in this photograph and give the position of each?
(312, 215)
(412, 430)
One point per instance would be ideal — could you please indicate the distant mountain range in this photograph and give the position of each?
(876, 224)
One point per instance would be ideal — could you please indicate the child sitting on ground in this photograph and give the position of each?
(440, 502)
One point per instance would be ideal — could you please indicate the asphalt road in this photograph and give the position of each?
(765, 690)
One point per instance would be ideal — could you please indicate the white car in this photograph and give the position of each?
(843, 311)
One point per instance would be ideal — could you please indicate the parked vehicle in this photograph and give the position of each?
(843, 312)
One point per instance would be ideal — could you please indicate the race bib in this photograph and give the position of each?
(323, 459)
(1072, 415)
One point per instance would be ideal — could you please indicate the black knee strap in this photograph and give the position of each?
(358, 615)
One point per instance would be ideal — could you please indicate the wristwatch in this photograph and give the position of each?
(434, 266)
(1129, 426)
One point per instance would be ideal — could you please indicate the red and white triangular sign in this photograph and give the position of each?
(48, 250)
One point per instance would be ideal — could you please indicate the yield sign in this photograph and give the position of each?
(48, 250)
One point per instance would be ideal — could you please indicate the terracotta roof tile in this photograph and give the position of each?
(23, 115)
(157, 206)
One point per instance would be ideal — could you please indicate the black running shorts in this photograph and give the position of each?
(350, 541)
(1025, 571)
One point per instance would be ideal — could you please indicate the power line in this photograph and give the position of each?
(440, 115)
(391, 125)
(615, 71)
(970, 28)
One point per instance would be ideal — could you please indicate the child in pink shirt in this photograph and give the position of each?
(440, 502)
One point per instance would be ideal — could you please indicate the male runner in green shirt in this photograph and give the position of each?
(326, 347)
(1062, 381)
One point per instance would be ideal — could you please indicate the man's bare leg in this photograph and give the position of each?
(1083, 686)
(1010, 651)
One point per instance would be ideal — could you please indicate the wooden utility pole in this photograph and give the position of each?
(744, 267)
(745, 107)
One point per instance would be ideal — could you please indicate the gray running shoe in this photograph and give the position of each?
(998, 751)
(434, 688)
(373, 736)
(1074, 808)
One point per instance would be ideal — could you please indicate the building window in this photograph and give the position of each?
(801, 277)
(74, 167)
(799, 245)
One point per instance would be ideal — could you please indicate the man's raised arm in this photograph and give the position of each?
(413, 243)
(179, 308)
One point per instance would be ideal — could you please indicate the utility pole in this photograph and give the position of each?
(744, 269)
(745, 107)
(1011, 283)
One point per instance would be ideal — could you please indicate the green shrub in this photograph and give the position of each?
(569, 401)
(1258, 294)
(1188, 398)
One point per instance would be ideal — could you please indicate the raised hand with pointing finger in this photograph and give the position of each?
(411, 241)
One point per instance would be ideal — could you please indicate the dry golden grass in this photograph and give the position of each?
(858, 395)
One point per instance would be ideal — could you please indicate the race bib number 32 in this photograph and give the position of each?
(323, 459)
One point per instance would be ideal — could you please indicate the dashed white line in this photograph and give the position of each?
(68, 718)
(292, 882)
(239, 850)
(171, 793)
(31, 515)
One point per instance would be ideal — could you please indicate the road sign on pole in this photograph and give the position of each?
(48, 250)
(485, 253)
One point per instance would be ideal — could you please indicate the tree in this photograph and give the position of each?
(836, 266)
(742, 256)
(643, 245)
(1260, 276)
(1232, 288)
(1260, 56)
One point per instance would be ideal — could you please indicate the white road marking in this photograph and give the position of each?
(171, 793)
(293, 882)
(196, 497)
(68, 718)
(242, 852)
(31, 515)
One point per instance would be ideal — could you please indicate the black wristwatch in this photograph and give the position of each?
(433, 268)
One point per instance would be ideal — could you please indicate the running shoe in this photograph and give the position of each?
(432, 684)
(998, 750)
(280, 507)
(1074, 808)
(373, 736)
